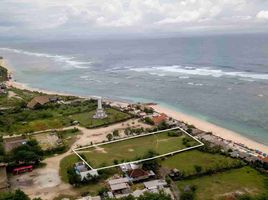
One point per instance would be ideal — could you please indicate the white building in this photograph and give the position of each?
(100, 113)
(84, 172)
(155, 184)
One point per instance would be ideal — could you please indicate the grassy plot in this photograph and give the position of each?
(65, 164)
(86, 119)
(17, 99)
(187, 161)
(218, 186)
(136, 148)
(44, 124)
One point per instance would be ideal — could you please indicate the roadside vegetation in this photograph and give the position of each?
(29, 153)
(16, 195)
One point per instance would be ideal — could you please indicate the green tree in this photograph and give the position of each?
(187, 195)
(17, 195)
(198, 169)
(109, 136)
(148, 120)
(115, 133)
(163, 125)
(73, 177)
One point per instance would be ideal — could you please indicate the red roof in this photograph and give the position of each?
(22, 168)
(265, 159)
(160, 118)
(136, 173)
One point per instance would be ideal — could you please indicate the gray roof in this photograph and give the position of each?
(118, 180)
(119, 186)
(155, 184)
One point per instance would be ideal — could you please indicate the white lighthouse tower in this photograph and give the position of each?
(100, 113)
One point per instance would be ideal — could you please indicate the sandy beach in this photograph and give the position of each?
(201, 124)
(209, 127)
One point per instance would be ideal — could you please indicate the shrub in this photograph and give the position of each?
(149, 121)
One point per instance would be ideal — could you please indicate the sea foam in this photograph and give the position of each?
(70, 61)
(199, 72)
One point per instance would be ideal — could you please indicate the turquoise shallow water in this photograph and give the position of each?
(220, 79)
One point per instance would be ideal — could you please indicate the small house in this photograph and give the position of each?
(40, 101)
(119, 186)
(159, 118)
(155, 184)
(85, 173)
(136, 175)
(129, 166)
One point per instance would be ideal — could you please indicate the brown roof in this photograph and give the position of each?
(136, 173)
(160, 118)
(41, 100)
(265, 159)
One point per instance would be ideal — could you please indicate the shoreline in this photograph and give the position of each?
(198, 123)
(209, 127)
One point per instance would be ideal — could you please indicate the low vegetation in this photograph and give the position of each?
(190, 162)
(16, 195)
(3, 74)
(147, 196)
(226, 184)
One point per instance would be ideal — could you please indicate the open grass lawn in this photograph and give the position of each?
(86, 119)
(220, 185)
(66, 163)
(186, 161)
(134, 149)
(41, 124)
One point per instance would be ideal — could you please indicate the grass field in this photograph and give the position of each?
(65, 164)
(218, 186)
(135, 149)
(186, 161)
(86, 119)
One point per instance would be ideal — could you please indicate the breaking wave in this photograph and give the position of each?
(170, 70)
(70, 61)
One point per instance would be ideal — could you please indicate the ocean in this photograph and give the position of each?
(222, 79)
